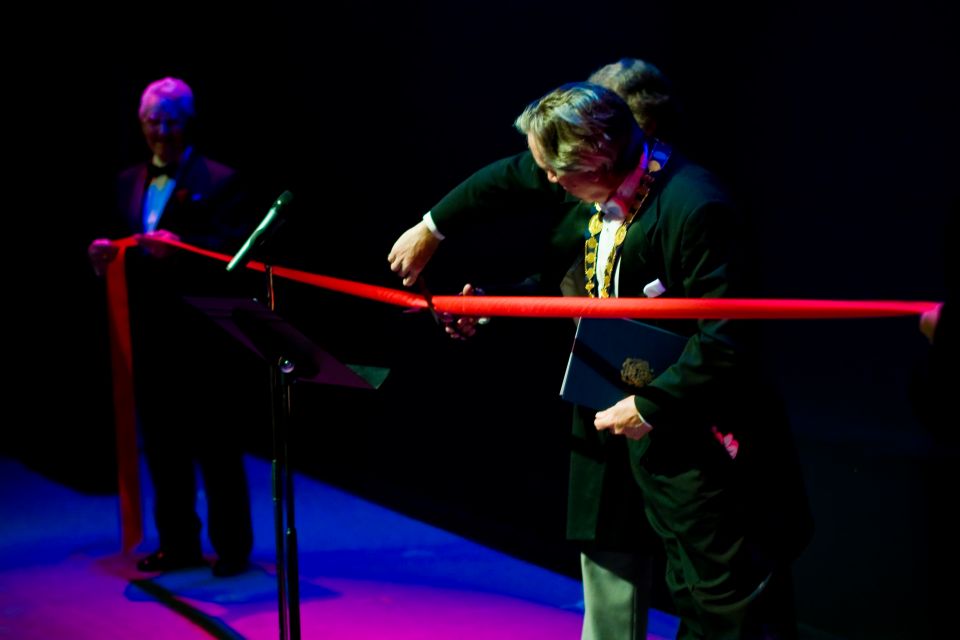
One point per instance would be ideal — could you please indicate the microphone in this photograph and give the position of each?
(241, 257)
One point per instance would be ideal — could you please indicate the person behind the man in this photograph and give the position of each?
(493, 190)
(617, 552)
(186, 413)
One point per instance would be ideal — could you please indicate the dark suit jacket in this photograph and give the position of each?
(204, 209)
(687, 236)
(207, 208)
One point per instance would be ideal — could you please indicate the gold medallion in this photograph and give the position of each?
(660, 155)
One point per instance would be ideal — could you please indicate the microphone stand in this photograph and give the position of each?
(291, 356)
(285, 529)
(282, 375)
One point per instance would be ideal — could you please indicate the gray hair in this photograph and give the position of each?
(172, 90)
(580, 127)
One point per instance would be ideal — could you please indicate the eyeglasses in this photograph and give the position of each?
(163, 123)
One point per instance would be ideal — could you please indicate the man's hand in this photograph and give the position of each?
(623, 419)
(152, 245)
(463, 327)
(928, 322)
(412, 251)
(102, 252)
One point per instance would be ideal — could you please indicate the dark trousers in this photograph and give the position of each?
(722, 583)
(173, 464)
(191, 418)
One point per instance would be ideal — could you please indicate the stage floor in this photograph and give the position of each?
(365, 572)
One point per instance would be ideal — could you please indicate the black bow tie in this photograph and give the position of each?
(153, 171)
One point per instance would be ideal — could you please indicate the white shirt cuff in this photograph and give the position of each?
(428, 220)
(644, 421)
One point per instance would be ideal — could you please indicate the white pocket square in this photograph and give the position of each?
(654, 288)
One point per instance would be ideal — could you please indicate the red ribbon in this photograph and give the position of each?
(573, 307)
(526, 306)
(125, 417)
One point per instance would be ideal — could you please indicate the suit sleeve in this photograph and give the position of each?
(496, 188)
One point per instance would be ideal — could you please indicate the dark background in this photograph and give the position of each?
(834, 122)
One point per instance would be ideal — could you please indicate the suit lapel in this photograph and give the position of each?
(640, 262)
(135, 205)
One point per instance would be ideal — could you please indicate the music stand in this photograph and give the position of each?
(292, 356)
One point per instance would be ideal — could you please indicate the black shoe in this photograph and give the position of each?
(227, 567)
(164, 561)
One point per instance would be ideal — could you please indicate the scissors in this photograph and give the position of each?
(425, 292)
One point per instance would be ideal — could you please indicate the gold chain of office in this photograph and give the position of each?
(660, 155)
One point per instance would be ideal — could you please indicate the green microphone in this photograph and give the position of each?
(241, 257)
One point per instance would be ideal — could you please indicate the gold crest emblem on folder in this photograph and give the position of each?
(636, 372)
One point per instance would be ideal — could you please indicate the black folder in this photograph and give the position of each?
(612, 358)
